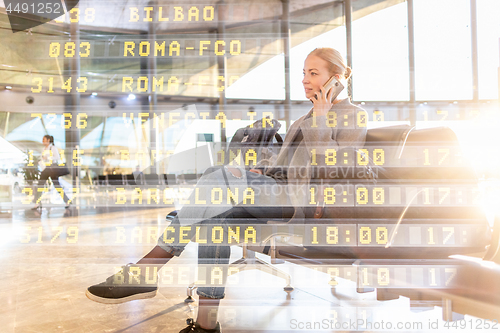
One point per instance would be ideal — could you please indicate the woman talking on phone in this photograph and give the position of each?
(51, 169)
(330, 125)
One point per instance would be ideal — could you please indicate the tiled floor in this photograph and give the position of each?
(47, 263)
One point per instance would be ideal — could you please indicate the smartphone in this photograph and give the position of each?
(335, 85)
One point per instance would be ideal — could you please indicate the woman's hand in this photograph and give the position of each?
(256, 171)
(322, 102)
(235, 172)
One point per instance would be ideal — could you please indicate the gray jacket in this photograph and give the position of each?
(313, 140)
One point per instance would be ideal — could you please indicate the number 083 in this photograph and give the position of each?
(69, 49)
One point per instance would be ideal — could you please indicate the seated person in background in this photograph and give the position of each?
(138, 175)
(316, 131)
(50, 162)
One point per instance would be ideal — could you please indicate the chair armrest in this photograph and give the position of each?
(282, 233)
(280, 237)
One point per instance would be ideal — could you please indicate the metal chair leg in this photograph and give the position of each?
(359, 283)
(189, 292)
(250, 261)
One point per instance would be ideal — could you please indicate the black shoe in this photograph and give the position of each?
(67, 212)
(194, 327)
(127, 285)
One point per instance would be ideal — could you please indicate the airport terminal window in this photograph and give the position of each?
(26, 130)
(320, 26)
(380, 55)
(488, 34)
(443, 66)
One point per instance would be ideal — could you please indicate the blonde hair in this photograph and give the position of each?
(336, 63)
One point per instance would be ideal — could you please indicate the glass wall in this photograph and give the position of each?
(488, 40)
(380, 55)
(443, 61)
(144, 84)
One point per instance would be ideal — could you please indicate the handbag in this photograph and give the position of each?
(256, 136)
